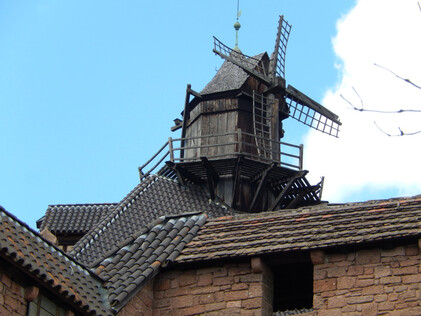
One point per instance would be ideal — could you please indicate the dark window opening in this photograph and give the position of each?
(293, 287)
(43, 306)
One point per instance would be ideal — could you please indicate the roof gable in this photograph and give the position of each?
(154, 197)
(36, 257)
(74, 218)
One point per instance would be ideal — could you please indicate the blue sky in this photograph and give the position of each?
(89, 89)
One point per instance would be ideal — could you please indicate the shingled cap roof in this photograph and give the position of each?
(154, 197)
(48, 265)
(229, 77)
(305, 228)
(129, 266)
(73, 218)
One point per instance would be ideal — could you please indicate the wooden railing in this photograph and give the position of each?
(228, 145)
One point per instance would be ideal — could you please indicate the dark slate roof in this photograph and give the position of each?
(51, 267)
(140, 258)
(154, 197)
(74, 218)
(306, 228)
(229, 77)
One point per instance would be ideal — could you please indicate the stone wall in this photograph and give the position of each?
(141, 304)
(12, 297)
(231, 289)
(368, 282)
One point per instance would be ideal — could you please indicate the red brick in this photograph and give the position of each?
(369, 309)
(336, 272)
(330, 312)
(161, 284)
(405, 270)
(214, 306)
(386, 306)
(223, 280)
(337, 258)
(203, 289)
(318, 257)
(374, 289)
(239, 271)
(239, 286)
(355, 270)
(319, 274)
(398, 251)
(187, 279)
(390, 280)
(411, 250)
(336, 301)
(255, 277)
(233, 304)
(251, 303)
(193, 310)
(411, 278)
(236, 295)
(207, 298)
(255, 290)
(182, 301)
(359, 299)
(364, 282)
(368, 256)
(324, 285)
(409, 262)
(346, 283)
(204, 279)
(382, 271)
(220, 272)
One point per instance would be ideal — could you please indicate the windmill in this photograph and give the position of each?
(231, 133)
(292, 102)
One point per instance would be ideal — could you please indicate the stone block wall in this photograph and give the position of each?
(368, 282)
(12, 297)
(141, 303)
(231, 289)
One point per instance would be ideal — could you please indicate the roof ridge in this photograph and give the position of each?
(83, 243)
(83, 204)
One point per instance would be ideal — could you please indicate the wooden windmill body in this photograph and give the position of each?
(232, 130)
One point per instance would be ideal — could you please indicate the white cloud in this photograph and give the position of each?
(364, 159)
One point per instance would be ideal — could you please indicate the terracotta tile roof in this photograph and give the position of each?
(133, 263)
(51, 267)
(154, 197)
(229, 77)
(74, 218)
(305, 228)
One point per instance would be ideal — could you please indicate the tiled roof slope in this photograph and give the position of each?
(154, 197)
(229, 77)
(58, 272)
(305, 228)
(141, 257)
(74, 218)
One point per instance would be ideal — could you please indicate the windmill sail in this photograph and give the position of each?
(277, 60)
(249, 64)
(306, 110)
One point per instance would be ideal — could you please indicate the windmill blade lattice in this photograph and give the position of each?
(279, 53)
(307, 111)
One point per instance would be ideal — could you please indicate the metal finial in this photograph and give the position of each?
(237, 26)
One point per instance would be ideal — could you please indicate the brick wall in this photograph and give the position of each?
(141, 304)
(231, 289)
(368, 282)
(12, 301)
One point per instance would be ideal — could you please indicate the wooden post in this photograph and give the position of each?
(240, 143)
(170, 149)
(301, 157)
(186, 115)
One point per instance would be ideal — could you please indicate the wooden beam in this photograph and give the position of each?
(286, 189)
(183, 173)
(211, 175)
(261, 185)
(236, 180)
(186, 115)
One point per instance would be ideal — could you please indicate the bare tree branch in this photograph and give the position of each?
(406, 80)
(361, 109)
(401, 132)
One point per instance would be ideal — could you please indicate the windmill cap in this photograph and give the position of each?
(237, 25)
